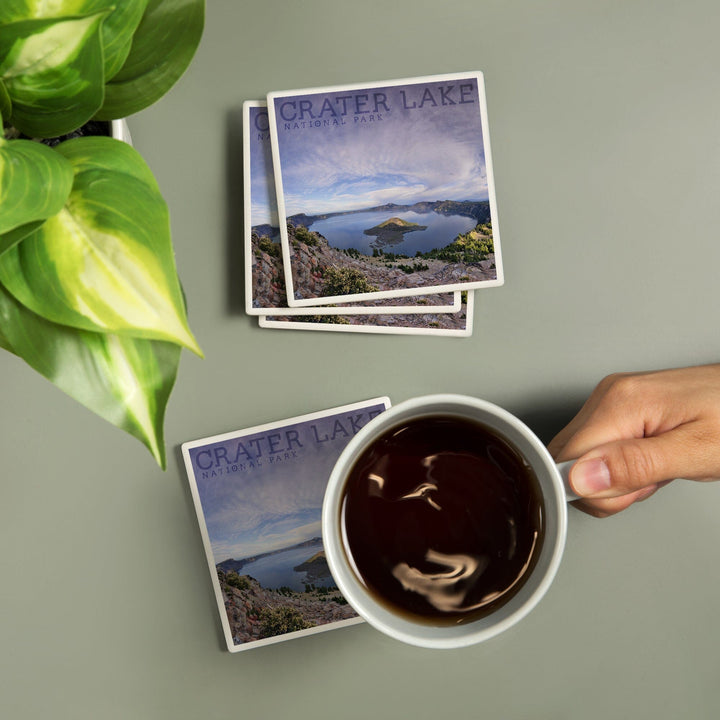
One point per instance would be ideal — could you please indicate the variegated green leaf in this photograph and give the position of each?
(14, 236)
(52, 71)
(105, 262)
(125, 380)
(5, 104)
(12, 10)
(117, 30)
(102, 153)
(4, 342)
(163, 46)
(35, 182)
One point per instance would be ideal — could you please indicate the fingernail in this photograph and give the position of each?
(590, 477)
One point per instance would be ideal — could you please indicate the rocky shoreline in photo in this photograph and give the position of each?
(269, 282)
(323, 271)
(255, 613)
(380, 272)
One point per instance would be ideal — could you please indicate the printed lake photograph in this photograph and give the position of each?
(264, 271)
(258, 494)
(385, 189)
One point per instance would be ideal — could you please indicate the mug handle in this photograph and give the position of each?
(564, 470)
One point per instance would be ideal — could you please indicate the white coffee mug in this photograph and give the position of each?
(555, 491)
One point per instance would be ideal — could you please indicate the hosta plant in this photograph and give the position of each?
(89, 293)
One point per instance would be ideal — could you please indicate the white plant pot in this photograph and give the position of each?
(120, 131)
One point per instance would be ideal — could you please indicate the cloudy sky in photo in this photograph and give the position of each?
(275, 505)
(262, 189)
(427, 152)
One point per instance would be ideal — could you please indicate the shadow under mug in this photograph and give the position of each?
(555, 491)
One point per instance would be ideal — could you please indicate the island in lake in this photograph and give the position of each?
(391, 231)
(315, 568)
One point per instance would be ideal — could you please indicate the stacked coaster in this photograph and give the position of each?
(370, 207)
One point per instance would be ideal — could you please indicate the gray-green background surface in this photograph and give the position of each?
(605, 130)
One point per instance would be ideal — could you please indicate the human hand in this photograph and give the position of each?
(639, 431)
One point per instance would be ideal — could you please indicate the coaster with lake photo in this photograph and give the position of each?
(388, 186)
(258, 496)
(264, 275)
(459, 324)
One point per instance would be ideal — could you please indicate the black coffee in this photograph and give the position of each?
(443, 519)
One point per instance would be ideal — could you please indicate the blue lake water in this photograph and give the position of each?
(274, 571)
(347, 231)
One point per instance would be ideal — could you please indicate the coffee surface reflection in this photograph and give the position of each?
(442, 520)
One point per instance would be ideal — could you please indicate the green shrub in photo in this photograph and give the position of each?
(281, 620)
(415, 267)
(470, 247)
(304, 235)
(344, 281)
(268, 246)
(241, 582)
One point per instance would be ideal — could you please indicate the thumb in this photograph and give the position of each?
(624, 466)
